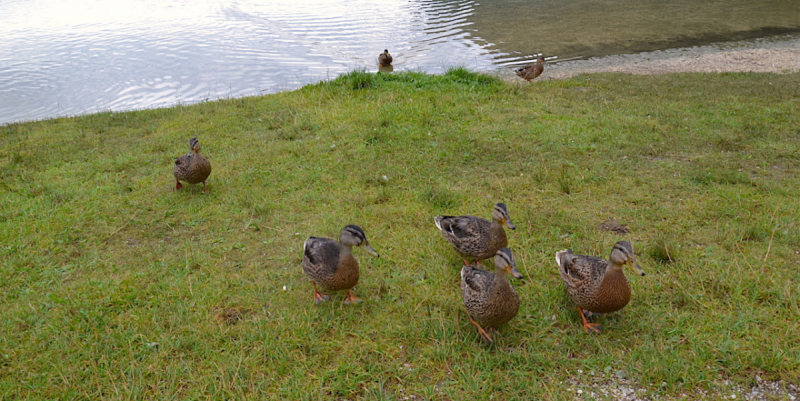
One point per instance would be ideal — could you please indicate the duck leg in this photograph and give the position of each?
(493, 332)
(205, 189)
(590, 327)
(483, 332)
(318, 296)
(178, 185)
(351, 298)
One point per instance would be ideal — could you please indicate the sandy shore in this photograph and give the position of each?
(777, 55)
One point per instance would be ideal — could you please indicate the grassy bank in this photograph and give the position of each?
(114, 286)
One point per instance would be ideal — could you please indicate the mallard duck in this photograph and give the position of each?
(489, 297)
(331, 264)
(474, 237)
(595, 284)
(385, 58)
(531, 71)
(192, 167)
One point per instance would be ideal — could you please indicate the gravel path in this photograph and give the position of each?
(777, 55)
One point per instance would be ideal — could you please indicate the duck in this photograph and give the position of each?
(474, 237)
(385, 59)
(331, 263)
(531, 71)
(192, 167)
(597, 285)
(488, 296)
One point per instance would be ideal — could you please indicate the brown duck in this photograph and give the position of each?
(474, 237)
(488, 296)
(192, 167)
(595, 284)
(531, 71)
(385, 59)
(331, 264)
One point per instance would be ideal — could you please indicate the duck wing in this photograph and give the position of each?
(320, 254)
(580, 270)
(464, 227)
(475, 281)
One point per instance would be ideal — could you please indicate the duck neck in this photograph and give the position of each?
(500, 277)
(345, 249)
(497, 231)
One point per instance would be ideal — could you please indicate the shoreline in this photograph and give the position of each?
(771, 55)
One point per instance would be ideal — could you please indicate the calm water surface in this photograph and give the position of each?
(70, 57)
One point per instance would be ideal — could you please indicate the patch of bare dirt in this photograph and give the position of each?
(230, 316)
(614, 226)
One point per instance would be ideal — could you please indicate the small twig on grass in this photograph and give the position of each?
(769, 247)
(117, 230)
(743, 257)
(666, 249)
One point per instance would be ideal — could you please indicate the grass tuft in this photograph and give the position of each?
(357, 79)
(662, 249)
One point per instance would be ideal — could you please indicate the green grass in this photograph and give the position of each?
(114, 286)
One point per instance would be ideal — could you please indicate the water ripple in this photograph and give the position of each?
(58, 60)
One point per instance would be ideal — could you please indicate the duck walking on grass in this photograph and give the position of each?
(385, 59)
(531, 71)
(595, 284)
(331, 264)
(192, 167)
(474, 237)
(489, 297)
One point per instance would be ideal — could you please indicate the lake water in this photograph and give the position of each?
(67, 57)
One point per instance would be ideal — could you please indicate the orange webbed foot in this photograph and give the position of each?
(318, 296)
(351, 298)
(589, 327)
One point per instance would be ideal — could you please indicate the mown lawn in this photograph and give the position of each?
(114, 286)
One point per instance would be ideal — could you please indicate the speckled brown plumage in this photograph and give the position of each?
(385, 59)
(476, 238)
(531, 71)
(595, 284)
(488, 296)
(192, 167)
(331, 264)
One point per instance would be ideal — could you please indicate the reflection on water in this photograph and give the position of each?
(65, 57)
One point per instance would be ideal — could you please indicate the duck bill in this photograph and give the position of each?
(636, 268)
(514, 272)
(369, 249)
(510, 225)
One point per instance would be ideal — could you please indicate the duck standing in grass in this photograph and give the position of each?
(385, 59)
(595, 284)
(531, 71)
(474, 237)
(489, 297)
(192, 167)
(331, 264)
